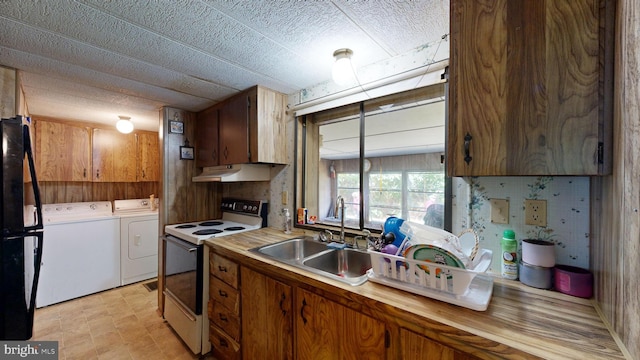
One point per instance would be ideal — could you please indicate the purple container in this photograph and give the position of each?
(574, 281)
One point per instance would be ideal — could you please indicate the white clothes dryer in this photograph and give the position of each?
(138, 239)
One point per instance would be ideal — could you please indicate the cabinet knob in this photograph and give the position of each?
(282, 299)
(467, 144)
(222, 293)
(304, 304)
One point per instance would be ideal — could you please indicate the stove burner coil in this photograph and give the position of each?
(207, 232)
(185, 226)
(211, 223)
(234, 228)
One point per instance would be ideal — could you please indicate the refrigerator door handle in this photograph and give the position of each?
(34, 180)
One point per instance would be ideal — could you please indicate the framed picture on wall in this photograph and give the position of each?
(176, 127)
(186, 153)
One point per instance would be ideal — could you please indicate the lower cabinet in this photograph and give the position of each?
(417, 347)
(267, 320)
(254, 316)
(328, 330)
(224, 308)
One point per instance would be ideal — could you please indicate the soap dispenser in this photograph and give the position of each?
(287, 221)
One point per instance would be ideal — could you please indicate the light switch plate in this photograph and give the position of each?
(535, 212)
(500, 211)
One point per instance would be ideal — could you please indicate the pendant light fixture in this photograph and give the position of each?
(124, 125)
(343, 69)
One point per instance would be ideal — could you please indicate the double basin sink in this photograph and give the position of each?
(343, 264)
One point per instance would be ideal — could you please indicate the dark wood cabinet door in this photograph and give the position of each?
(234, 131)
(206, 146)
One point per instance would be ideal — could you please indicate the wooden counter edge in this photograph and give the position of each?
(363, 299)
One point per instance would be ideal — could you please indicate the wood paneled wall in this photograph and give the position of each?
(53, 192)
(615, 215)
(181, 199)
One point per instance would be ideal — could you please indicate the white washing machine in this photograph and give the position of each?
(80, 251)
(138, 239)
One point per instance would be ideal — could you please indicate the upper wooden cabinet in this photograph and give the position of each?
(251, 129)
(148, 156)
(530, 87)
(207, 138)
(68, 151)
(114, 156)
(63, 151)
(267, 126)
(234, 130)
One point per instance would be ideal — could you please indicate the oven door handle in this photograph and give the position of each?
(181, 244)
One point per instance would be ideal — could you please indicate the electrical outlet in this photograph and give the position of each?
(535, 212)
(500, 211)
(285, 197)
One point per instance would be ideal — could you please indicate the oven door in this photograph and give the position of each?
(183, 266)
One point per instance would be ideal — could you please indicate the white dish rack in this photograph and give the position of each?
(469, 288)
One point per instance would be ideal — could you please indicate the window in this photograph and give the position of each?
(383, 157)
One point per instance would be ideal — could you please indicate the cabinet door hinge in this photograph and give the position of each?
(601, 153)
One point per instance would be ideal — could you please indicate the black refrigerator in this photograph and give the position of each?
(22, 235)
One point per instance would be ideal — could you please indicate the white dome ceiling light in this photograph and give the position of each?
(343, 73)
(124, 125)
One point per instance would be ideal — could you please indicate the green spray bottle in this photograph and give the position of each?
(509, 261)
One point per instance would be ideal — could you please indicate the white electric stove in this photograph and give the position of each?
(186, 265)
(237, 216)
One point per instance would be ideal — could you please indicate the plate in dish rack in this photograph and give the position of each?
(433, 254)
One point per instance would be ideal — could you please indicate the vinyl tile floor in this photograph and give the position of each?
(121, 323)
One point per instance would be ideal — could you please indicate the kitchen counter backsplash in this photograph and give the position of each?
(567, 213)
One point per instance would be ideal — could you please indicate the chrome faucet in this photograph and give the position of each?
(340, 205)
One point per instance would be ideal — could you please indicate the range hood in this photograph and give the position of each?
(231, 173)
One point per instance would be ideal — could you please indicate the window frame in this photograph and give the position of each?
(301, 145)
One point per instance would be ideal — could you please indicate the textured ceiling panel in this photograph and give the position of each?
(58, 48)
(192, 53)
(312, 29)
(94, 28)
(45, 67)
(398, 24)
(60, 98)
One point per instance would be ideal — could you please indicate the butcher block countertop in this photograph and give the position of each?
(520, 323)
